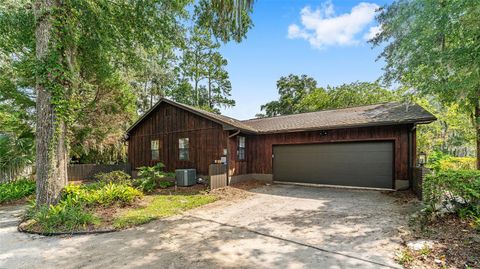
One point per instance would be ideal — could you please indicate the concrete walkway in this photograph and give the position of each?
(277, 227)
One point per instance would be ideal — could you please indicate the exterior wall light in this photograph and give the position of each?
(422, 159)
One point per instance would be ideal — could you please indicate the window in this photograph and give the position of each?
(154, 147)
(241, 148)
(183, 149)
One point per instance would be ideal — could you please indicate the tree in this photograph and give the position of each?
(292, 90)
(70, 50)
(300, 94)
(434, 48)
(218, 81)
(348, 95)
(157, 76)
(204, 67)
(452, 133)
(194, 60)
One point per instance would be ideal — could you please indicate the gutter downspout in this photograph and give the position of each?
(410, 155)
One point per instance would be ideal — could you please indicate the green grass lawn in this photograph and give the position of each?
(159, 206)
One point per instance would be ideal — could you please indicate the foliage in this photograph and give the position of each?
(74, 211)
(152, 177)
(433, 48)
(62, 217)
(453, 190)
(16, 152)
(100, 194)
(439, 161)
(453, 133)
(91, 55)
(301, 94)
(203, 66)
(348, 95)
(161, 206)
(166, 184)
(292, 90)
(16, 190)
(227, 19)
(116, 177)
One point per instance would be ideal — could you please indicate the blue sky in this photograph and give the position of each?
(322, 39)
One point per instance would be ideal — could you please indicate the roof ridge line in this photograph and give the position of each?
(322, 110)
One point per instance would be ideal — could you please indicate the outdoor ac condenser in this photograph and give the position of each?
(186, 177)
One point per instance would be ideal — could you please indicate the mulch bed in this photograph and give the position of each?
(456, 244)
(238, 190)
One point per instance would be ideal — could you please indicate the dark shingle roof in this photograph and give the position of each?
(371, 115)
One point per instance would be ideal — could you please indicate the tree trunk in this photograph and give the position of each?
(51, 149)
(477, 128)
(210, 102)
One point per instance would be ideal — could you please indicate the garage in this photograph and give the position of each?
(358, 164)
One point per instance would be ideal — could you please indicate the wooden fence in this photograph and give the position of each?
(218, 175)
(88, 171)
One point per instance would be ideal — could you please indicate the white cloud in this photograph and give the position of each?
(322, 27)
(372, 32)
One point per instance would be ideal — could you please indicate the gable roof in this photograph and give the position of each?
(361, 116)
(227, 122)
(371, 115)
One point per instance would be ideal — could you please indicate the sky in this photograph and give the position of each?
(322, 39)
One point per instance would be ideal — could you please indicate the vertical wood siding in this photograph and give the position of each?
(259, 147)
(207, 140)
(167, 123)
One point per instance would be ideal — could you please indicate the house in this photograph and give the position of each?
(365, 146)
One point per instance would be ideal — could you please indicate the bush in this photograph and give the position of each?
(101, 194)
(16, 190)
(117, 177)
(153, 177)
(439, 161)
(73, 212)
(64, 217)
(455, 191)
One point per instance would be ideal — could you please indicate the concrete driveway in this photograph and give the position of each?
(278, 226)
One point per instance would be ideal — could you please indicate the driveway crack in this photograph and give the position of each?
(293, 242)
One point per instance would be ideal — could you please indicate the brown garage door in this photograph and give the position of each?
(361, 164)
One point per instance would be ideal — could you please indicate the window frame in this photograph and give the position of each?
(241, 149)
(157, 149)
(184, 149)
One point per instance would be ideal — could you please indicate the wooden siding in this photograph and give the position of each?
(167, 123)
(259, 147)
(235, 166)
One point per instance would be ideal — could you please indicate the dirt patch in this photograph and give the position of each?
(238, 190)
(249, 184)
(456, 244)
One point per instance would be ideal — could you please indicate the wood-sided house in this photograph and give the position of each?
(365, 146)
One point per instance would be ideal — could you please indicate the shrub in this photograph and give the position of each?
(16, 190)
(101, 194)
(64, 216)
(439, 161)
(150, 178)
(118, 177)
(455, 191)
(73, 210)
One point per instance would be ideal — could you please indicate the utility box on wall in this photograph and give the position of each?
(185, 177)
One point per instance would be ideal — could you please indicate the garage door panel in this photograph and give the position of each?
(364, 164)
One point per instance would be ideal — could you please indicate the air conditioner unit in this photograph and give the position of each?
(186, 177)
